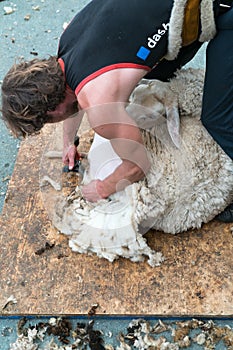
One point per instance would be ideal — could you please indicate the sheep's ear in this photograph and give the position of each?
(173, 124)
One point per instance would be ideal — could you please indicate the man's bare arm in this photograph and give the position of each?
(127, 142)
(104, 99)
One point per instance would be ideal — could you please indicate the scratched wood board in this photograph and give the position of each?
(46, 277)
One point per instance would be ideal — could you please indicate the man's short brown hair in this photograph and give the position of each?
(29, 90)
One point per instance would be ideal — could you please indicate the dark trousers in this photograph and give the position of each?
(217, 109)
(165, 69)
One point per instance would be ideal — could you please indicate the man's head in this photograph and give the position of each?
(30, 90)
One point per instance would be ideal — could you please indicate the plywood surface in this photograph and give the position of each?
(46, 277)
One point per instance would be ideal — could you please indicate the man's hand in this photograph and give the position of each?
(92, 191)
(70, 154)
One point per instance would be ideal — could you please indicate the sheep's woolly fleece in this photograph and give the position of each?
(187, 185)
(208, 28)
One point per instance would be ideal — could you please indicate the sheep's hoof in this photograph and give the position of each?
(226, 215)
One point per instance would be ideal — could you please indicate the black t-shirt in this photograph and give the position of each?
(110, 34)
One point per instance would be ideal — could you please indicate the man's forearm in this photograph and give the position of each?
(70, 128)
(126, 174)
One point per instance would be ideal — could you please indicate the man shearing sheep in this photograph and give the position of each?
(104, 52)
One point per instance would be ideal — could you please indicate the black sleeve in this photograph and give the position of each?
(165, 69)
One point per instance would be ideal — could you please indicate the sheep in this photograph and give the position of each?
(189, 183)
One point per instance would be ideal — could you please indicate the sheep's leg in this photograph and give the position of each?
(173, 124)
(169, 99)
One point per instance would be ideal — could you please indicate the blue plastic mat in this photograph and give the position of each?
(106, 332)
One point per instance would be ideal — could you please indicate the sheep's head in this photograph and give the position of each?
(142, 96)
(152, 101)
